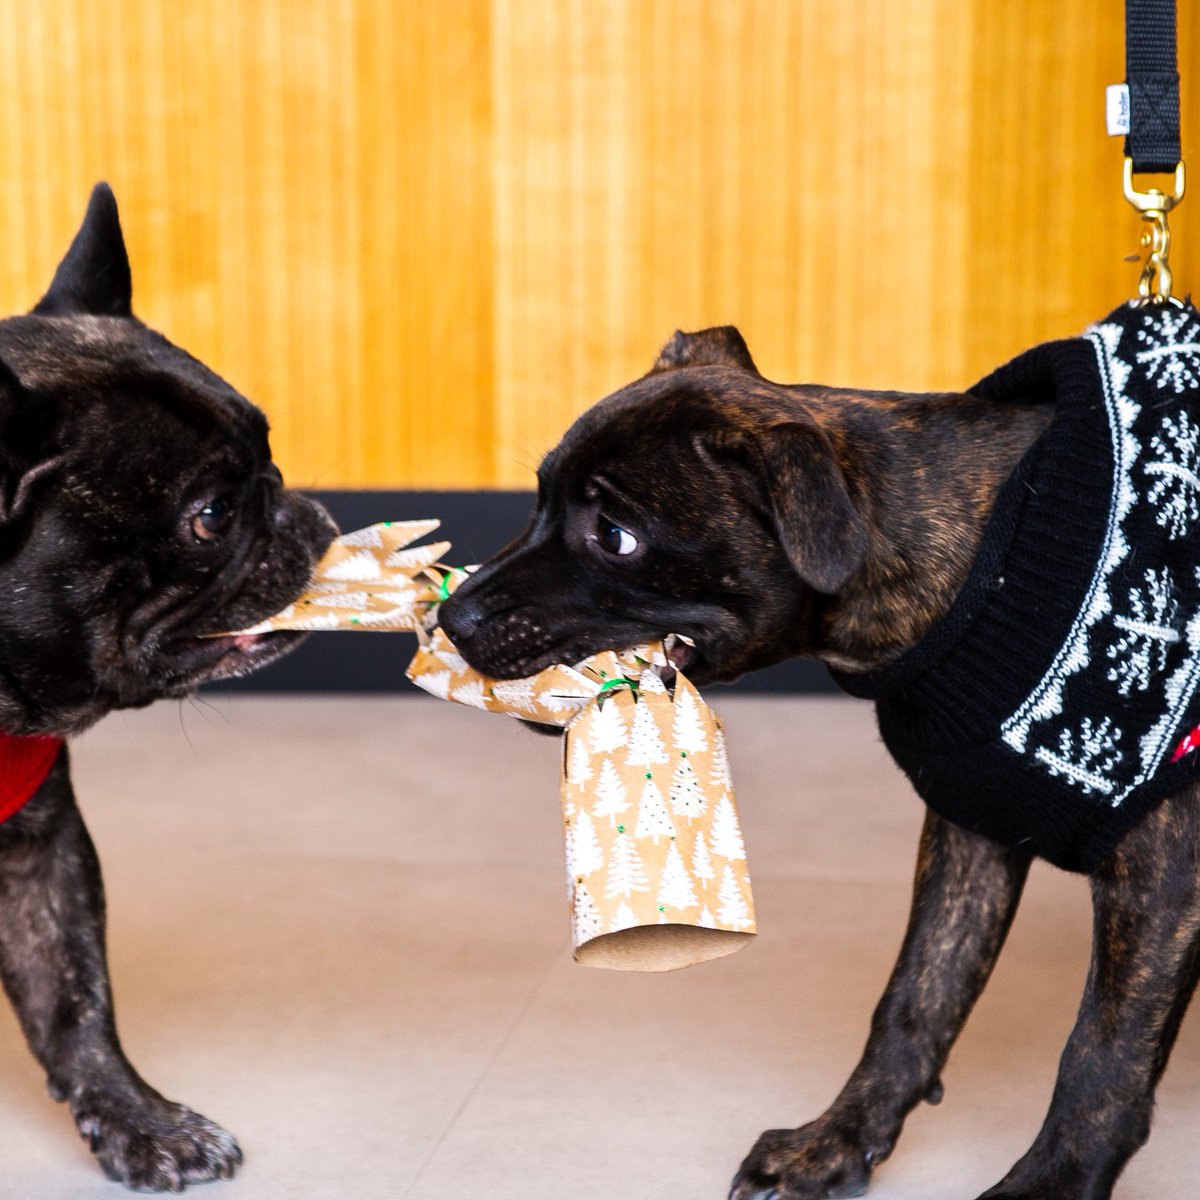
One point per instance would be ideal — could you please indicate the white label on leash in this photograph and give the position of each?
(1116, 109)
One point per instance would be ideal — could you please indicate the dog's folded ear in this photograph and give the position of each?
(819, 527)
(720, 346)
(93, 279)
(29, 456)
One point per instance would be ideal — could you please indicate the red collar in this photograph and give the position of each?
(24, 764)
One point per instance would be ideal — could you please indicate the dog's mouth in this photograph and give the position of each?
(191, 661)
(681, 653)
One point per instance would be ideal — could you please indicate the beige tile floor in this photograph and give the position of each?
(338, 927)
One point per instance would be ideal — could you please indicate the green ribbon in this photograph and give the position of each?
(444, 586)
(621, 681)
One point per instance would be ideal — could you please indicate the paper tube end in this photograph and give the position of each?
(660, 947)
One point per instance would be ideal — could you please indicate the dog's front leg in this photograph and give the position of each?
(966, 891)
(54, 968)
(1145, 962)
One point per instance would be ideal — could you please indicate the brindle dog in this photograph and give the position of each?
(766, 521)
(140, 513)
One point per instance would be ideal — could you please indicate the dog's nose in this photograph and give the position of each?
(460, 617)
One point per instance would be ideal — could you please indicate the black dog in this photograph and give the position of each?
(139, 510)
(764, 521)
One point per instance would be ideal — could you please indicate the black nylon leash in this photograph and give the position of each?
(1152, 76)
(1152, 144)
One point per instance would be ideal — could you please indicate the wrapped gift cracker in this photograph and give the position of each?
(655, 859)
(368, 579)
(656, 864)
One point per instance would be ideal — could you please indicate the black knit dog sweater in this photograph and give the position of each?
(1056, 702)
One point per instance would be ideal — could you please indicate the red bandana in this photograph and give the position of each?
(24, 764)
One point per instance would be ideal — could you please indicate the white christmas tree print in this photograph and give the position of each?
(451, 657)
(623, 918)
(686, 795)
(606, 728)
(1175, 492)
(579, 770)
(437, 683)
(705, 919)
(1085, 757)
(517, 694)
(585, 917)
(651, 684)
(675, 890)
(645, 743)
(569, 856)
(687, 730)
(356, 568)
(653, 820)
(733, 911)
(1172, 354)
(720, 776)
(611, 797)
(584, 854)
(1148, 631)
(469, 693)
(626, 874)
(726, 836)
(702, 864)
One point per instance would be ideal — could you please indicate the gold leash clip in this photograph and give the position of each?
(1153, 205)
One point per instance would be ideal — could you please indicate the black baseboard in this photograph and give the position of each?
(477, 523)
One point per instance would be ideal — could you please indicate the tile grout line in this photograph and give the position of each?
(485, 1070)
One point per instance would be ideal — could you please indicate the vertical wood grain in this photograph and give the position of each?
(425, 235)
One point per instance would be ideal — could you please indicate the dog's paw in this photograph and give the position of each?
(820, 1161)
(156, 1146)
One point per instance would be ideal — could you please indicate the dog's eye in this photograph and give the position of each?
(212, 520)
(615, 539)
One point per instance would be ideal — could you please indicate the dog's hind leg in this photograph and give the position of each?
(966, 892)
(54, 968)
(1145, 962)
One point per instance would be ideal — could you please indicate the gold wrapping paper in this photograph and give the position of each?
(656, 864)
(369, 580)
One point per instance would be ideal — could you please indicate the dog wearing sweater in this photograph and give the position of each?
(1006, 572)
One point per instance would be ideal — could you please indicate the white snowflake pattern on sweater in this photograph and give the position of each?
(1136, 630)
(1148, 629)
(1086, 756)
(1172, 354)
(1175, 469)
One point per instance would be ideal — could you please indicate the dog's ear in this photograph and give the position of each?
(93, 279)
(818, 525)
(29, 455)
(719, 346)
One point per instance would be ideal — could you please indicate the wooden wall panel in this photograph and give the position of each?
(424, 234)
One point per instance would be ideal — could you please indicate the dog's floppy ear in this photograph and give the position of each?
(93, 279)
(819, 528)
(720, 346)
